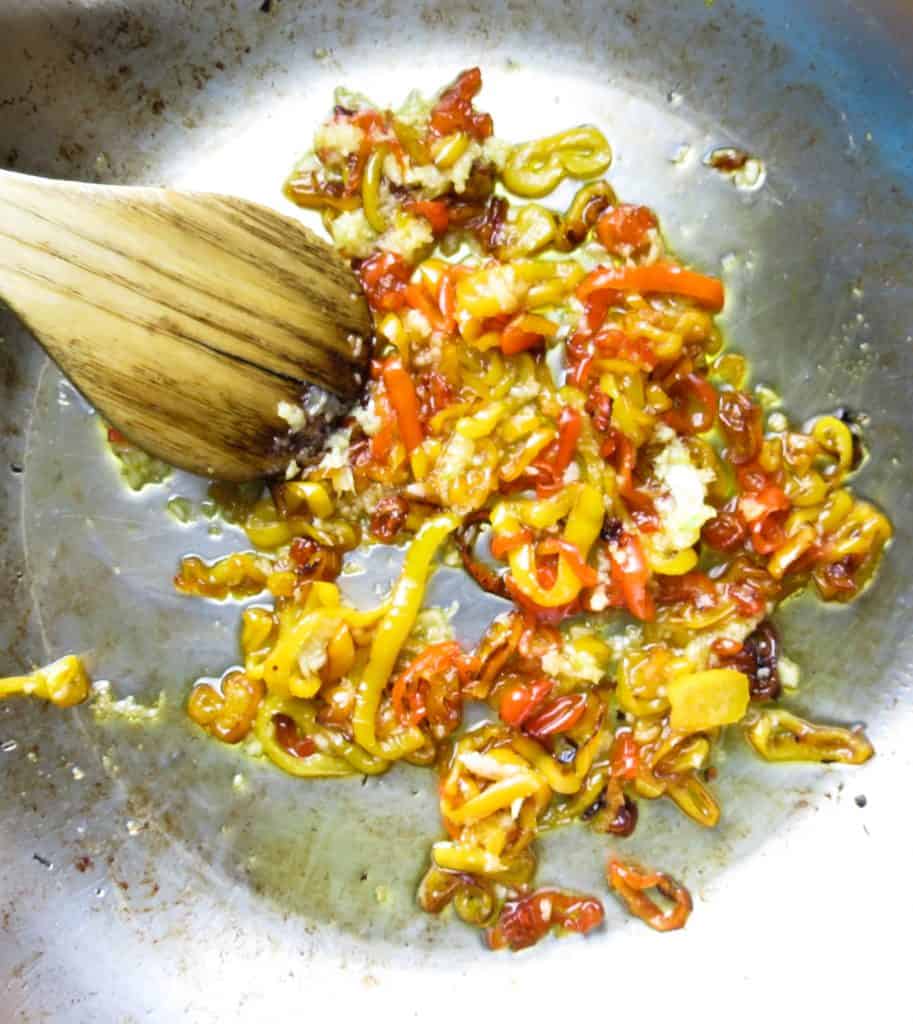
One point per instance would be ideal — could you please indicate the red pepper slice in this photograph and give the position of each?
(558, 715)
(666, 278)
(725, 532)
(740, 423)
(523, 922)
(625, 225)
(625, 758)
(505, 543)
(371, 122)
(768, 533)
(627, 457)
(522, 699)
(515, 339)
(632, 882)
(694, 405)
(288, 737)
(419, 299)
(407, 695)
(615, 344)
(764, 512)
(384, 277)
(446, 300)
(756, 506)
(630, 572)
(695, 588)
(453, 112)
(403, 398)
(435, 211)
(558, 546)
(752, 477)
(569, 425)
(382, 440)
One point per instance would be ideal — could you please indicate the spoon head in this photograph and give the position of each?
(214, 333)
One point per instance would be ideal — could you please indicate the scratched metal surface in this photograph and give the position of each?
(140, 879)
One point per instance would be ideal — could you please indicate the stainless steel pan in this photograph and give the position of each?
(148, 875)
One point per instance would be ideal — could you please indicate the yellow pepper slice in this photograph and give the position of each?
(299, 635)
(676, 564)
(496, 797)
(446, 151)
(311, 493)
(581, 530)
(779, 735)
(533, 229)
(834, 436)
(64, 683)
(460, 857)
(395, 627)
(693, 798)
(533, 169)
(705, 700)
(540, 513)
(560, 779)
(370, 189)
(334, 755)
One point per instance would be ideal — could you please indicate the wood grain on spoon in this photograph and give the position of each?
(186, 318)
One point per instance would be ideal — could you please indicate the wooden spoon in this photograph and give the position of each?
(187, 318)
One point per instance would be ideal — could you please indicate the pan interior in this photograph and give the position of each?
(816, 266)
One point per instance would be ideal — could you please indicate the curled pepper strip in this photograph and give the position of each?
(486, 577)
(391, 635)
(631, 882)
(582, 529)
(666, 278)
(779, 735)
(412, 689)
(533, 169)
(227, 713)
(292, 739)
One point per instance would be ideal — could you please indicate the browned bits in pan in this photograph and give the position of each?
(389, 517)
(740, 421)
(315, 561)
(727, 159)
(758, 658)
